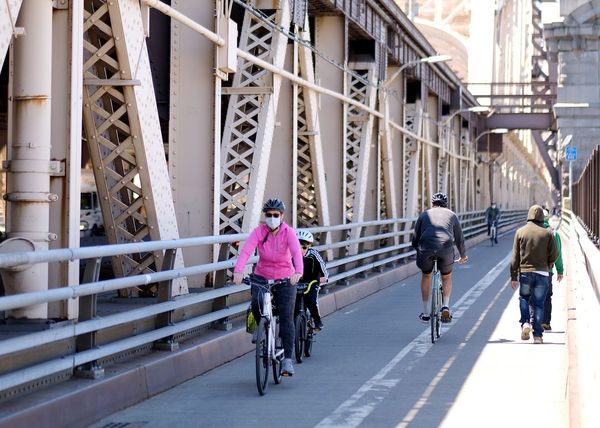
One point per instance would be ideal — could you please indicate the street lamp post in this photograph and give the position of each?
(474, 109)
(429, 60)
(385, 136)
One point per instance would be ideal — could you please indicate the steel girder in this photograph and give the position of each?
(250, 122)
(122, 129)
(358, 140)
(312, 205)
(9, 10)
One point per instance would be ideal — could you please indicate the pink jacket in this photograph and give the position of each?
(275, 253)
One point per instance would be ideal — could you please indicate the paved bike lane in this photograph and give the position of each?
(374, 365)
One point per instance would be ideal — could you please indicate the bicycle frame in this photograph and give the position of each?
(266, 311)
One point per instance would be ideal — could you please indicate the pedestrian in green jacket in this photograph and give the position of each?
(559, 274)
(534, 254)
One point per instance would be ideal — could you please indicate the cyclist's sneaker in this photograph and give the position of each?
(525, 330)
(287, 368)
(318, 325)
(546, 327)
(538, 340)
(424, 317)
(446, 316)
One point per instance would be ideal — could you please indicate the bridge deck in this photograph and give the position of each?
(374, 365)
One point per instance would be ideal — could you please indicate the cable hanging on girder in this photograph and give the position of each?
(259, 14)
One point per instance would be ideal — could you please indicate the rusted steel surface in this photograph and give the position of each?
(586, 197)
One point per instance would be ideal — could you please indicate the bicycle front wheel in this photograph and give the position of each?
(262, 356)
(300, 328)
(276, 362)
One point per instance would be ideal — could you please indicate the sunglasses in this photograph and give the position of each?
(304, 247)
(275, 215)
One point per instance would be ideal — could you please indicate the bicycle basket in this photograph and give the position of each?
(250, 320)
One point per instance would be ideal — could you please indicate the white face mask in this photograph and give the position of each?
(272, 222)
(494, 206)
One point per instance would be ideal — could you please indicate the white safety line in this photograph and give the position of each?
(352, 412)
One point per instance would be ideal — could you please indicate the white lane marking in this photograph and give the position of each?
(350, 311)
(439, 376)
(352, 412)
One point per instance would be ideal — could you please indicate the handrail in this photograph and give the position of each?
(345, 266)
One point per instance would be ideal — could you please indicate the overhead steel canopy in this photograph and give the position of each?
(533, 121)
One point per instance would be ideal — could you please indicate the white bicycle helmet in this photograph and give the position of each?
(305, 235)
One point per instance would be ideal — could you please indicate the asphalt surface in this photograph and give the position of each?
(373, 365)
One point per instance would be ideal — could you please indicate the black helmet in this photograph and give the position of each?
(440, 199)
(274, 204)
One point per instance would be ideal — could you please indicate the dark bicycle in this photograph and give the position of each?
(304, 328)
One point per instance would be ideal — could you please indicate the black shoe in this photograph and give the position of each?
(318, 325)
(424, 317)
(495, 240)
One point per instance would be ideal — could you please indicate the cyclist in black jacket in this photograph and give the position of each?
(437, 231)
(314, 270)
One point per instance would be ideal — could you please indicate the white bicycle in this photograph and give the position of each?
(269, 349)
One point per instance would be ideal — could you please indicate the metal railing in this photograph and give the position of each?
(586, 197)
(379, 243)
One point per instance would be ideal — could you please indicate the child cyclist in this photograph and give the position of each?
(314, 272)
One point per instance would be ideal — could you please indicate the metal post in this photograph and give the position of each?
(571, 182)
(28, 166)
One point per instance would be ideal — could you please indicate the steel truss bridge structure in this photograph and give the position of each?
(190, 116)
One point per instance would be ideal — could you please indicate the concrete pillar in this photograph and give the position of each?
(28, 180)
(575, 43)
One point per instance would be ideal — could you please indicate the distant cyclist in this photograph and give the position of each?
(279, 259)
(436, 232)
(492, 216)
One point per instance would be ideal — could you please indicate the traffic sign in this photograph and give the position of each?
(571, 153)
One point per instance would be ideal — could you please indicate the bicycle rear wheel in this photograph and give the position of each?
(262, 356)
(310, 337)
(438, 318)
(300, 329)
(434, 307)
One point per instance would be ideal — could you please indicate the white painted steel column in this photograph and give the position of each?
(311, 107)
(67, 66)
(28, 180)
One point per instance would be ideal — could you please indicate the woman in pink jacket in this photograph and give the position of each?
(279, 259)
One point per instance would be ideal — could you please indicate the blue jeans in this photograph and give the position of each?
(532, 290)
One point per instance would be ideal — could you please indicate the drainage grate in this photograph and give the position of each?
(124, 424)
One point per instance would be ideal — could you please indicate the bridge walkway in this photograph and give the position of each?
(374, 365)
